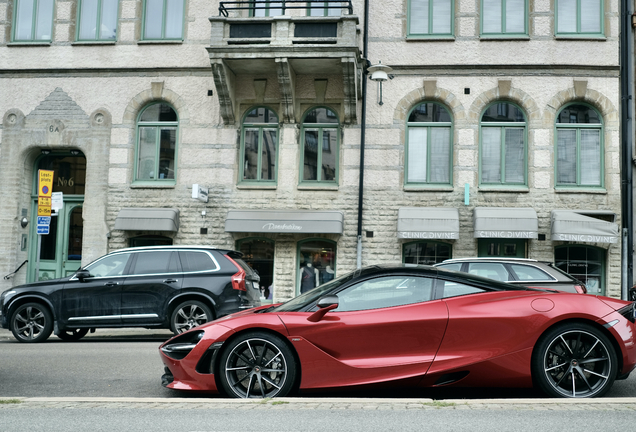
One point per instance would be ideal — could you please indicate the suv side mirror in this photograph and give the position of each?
(83, 274)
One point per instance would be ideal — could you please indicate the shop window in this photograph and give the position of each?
(157, 131)
(259, 146)
(428, 253)
(502, 157)
(493, 247)
(97, 20)
(33, 21)
(429, 145)
(579, 147)
(317, 264)
(319, 147)
(163, 19)
(149, 240)
(586, 263)
(258, 253)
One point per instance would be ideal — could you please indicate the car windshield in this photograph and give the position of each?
(312, 296)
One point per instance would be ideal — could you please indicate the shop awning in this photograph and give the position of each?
(505, 222)
(285, 221)
(147, 219)
(582, 226)
(434, 223)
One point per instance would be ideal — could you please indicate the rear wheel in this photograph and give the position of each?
(31, 322)
(257, 365)
(72, 335)
(574, 360)
(188, 315)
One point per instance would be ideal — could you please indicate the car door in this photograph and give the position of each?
(96, 300)
(384, 328)
(155, 277)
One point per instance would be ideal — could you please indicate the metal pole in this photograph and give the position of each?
(37, 258)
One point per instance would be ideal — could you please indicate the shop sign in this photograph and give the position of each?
(282, 227)
(506, 234)
(586, 238)
(428, 235)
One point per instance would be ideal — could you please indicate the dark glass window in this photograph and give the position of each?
(156, 262)
(194, 261)
(69, 172)
(428, 253)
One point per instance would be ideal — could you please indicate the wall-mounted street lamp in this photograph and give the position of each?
(380, 73)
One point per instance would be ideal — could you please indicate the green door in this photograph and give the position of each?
(498, 247)
(61, 248)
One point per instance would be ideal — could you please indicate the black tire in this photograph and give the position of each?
(574, 360)
(257, 365)
(188, 315)
(72, 335)
(31, 323)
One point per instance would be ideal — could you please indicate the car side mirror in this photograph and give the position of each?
(325, 304)
(83, 274)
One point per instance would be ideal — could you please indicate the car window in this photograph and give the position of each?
(110, 265)
(451, 266)
(387, 291)
(495, 271)
(197, 261)
(454, 289)
(530, 273)
(156, 262)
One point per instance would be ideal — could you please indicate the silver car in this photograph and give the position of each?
(520, 271)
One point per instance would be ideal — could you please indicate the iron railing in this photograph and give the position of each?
(279, 7)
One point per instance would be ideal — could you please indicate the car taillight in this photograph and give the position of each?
(580, 289)
(238, 279)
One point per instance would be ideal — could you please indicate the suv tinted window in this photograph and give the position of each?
(110, 265)
(530, 273)
(197, 261)
(495, 271)
(452, 266)
(156, 262)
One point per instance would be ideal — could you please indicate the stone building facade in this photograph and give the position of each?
(511, 108)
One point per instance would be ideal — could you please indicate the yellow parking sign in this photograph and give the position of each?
(44, 210)
(45, 183)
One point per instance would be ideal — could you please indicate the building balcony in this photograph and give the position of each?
(294, 47)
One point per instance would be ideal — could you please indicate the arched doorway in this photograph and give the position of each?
(61, 249)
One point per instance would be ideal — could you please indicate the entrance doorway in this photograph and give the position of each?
(61, 249)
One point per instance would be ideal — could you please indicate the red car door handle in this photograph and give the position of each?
(170, 280)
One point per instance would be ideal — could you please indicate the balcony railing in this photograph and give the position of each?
(261, 8)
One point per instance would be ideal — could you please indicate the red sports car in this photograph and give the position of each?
(410, 326)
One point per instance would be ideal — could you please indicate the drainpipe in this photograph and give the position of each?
(363, 126)
(627, 133)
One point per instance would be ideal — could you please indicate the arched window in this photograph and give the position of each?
(259, 146)
(426, 252)
(586, 263)
(428, 145)
(503, 155)
(157, 132)
(579, 147)
(316, 263)
(319, 148)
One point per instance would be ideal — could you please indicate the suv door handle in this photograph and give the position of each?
(170, 280)
(111, 284)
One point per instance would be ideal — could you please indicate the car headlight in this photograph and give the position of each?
(180, 346)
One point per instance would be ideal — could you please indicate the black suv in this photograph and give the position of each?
(175, 287)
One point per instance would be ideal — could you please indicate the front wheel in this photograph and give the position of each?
(72, 335)
(188, 315)
(574, 360)
(257, 365)
(31, 322)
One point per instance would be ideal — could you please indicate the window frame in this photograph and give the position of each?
(332, 244)
(98, 23)
(261, 127)
(429, 126)
(325, 10)
(578, 32)
(503, 126)
(268, 7)
(579, 127)
(158, 126)
(435, 244)
(412, 35)
(603, 264)
(503, 33)
(321, 127)
(163, 23)
(34, 23)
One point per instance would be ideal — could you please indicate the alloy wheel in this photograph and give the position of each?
(189, 316)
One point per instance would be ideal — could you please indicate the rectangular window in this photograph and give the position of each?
(503, 17)
(503, 155)
(430, 18)
(267, 9)
(163, 20)
(33, 20)
(429, 154)
(576, 17)
(579, 161)
(97, 20)
(328, 8)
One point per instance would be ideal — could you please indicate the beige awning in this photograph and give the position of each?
(147, 219)
(434, 223)
(285, 221)
(505, 222)
(582, 226)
